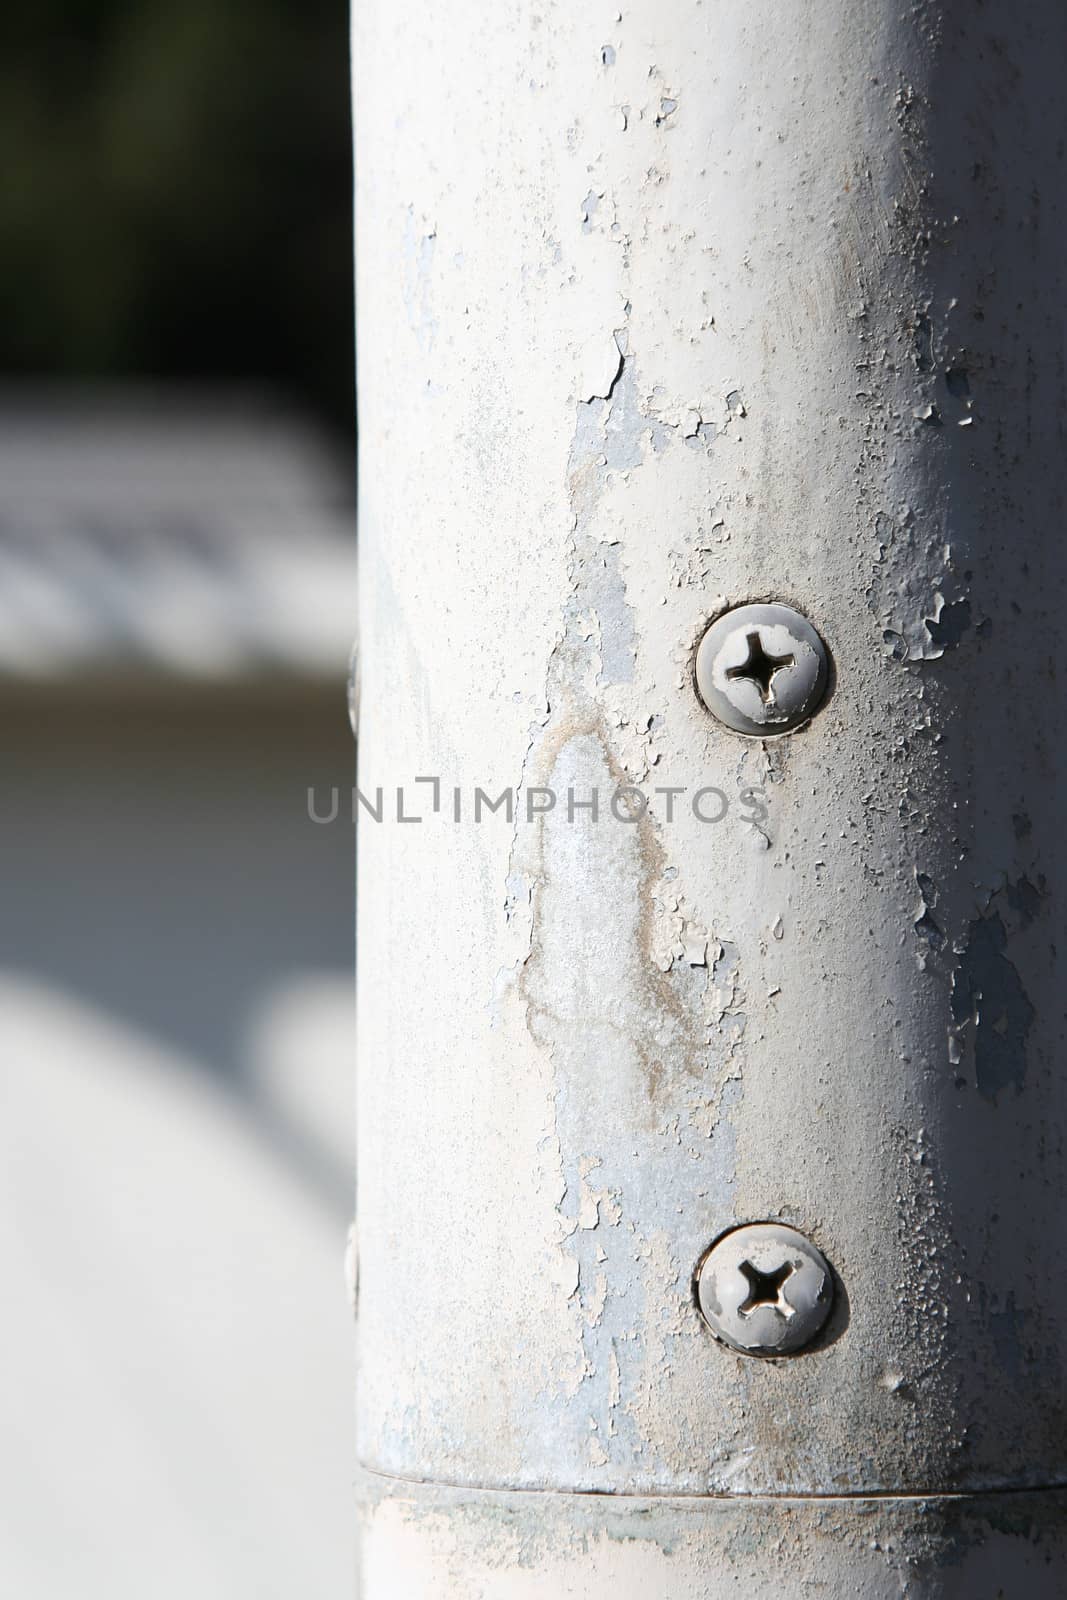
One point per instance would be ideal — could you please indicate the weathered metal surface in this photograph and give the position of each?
(662, 312)
(435, 1544)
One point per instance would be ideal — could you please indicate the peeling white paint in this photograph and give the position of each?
(686, 307)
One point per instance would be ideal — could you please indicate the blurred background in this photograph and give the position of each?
(177, 601)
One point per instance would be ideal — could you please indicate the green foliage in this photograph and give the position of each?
(177, 193)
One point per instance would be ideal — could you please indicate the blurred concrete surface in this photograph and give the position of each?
(177, 594)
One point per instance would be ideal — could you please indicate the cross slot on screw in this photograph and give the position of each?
(766, 1289)
(760, 668)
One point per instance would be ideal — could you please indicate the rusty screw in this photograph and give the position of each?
(762, 669)
(764, 1289)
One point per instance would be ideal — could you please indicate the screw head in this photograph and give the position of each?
(762, 669)
(765, 1290)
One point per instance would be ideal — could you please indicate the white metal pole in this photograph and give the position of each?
(662, 311)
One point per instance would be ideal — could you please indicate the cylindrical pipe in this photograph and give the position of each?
(662, 311)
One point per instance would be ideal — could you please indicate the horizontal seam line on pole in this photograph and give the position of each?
(696, 1496)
